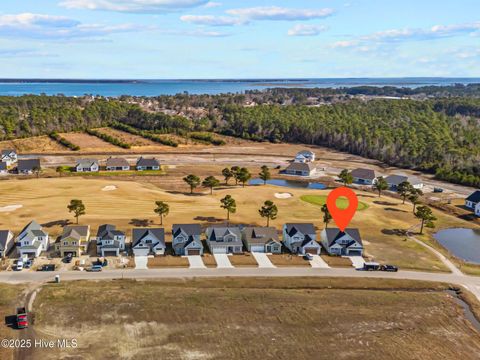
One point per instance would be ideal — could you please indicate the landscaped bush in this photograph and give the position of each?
(208, 138)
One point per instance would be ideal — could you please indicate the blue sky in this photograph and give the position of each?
(177, 39)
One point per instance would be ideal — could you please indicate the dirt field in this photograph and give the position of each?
(39, 144)
(254, 318)
(10, 298)
(90, 143)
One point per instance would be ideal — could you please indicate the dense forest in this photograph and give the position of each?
(439, 134)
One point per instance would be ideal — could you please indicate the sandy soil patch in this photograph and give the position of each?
(10, 208)
(283, 195)
(110, 188)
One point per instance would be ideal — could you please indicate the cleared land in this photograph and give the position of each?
(39, 144)
(89, 143)
(254, 318)
(11, 297)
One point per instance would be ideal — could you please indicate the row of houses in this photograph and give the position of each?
(363, 176)
(117, 164)
(472, 202)
(298, 238)
(9, 160)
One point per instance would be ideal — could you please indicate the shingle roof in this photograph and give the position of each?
(107, 232)
(361, 173)
(75, 231)
(189, 229)
(306, 153)
(304, 228)
(333, 234)
(299, 166)
(117, 162)
(32, 225)
(8, 152)
(260, 235)
(28, 164)
(474, 197)
(147, 162)
(87, 162)
(140, 233)
(213, 233)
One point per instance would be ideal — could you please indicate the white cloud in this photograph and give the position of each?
(46, 27)
(133, 6)
(212, 20)
(279, 13)
(212, 4)
(306, 30)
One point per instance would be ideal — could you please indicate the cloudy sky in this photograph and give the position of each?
(176, 39)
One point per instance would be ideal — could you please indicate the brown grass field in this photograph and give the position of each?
(131, 205)
(90, 143)
(304, 318)
(38, 144)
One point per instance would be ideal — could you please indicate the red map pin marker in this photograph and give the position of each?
(342, 217)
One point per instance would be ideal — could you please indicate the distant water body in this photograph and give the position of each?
(114, 88)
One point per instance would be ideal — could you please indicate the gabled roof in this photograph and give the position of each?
(140, 233)
(304, 228)
(189, 229)
(108, 232)
(75, 231)
(306, 153)
(299, 166)
(117, 162)
(361, 173)
(8, 152)
(32, 225)
(147, 162)
(474, 197)
(260, 235)
(5, 235)
(395, 179)
(214, 233)
(28, 164)
(84, 163)
(333, 234)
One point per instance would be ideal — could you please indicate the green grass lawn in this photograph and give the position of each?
(342, 203)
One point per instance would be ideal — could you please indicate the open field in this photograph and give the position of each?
(254, 318)
(89, 143)
(38, 144)
(11, 297)
(342, 203)
(131, 205)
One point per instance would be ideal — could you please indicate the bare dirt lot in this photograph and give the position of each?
(254, 318)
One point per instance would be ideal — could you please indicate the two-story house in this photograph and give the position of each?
(87, 165)
(110, 241)
(305, 156)
(224, 240)
(261, 239)
(74, 240)
(300, 238)
(9, 157)
(186, 239)
(472, 200)
(32, 240)
(147, 241)
(346, 243)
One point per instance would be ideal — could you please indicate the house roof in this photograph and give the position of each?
(299, 166)
(474, 197)
(304, 228)
(108, 232)
(140, 233)
(147, 162)
(189, 229)
(32, 225)
(8, 152)
(306, 153)
(362, 173)
(75, 231)
(117, 162)
(28, 164)
(3, 165)
(87, 162)
(333, 234)
(5, 236)
(260, 235)
(213, 233)
(395, 179)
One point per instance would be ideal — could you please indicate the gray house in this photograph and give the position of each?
(261, 239)
(148, 241)
(187, 239)
(32, 240)
(28, 166)
(394, 180)
(337, 242)
(147, 164)
(117, 164)
(472, 200)
(300, 169)
(6, 242)
(87, 165)
(300, 238)
(224, 240)
(363, 176)
(110, 241)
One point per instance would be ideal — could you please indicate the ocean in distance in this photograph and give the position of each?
(115, 88)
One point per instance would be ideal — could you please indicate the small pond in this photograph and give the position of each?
(463, 243)
(290, 184)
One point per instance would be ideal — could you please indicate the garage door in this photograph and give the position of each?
(355, 253)
(193, 252)
(311, 251)
(219, 250)
(257, 248)
(109, 253)
(73, 253)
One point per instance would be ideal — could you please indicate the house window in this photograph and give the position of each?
(148, 241)
(65, 243)
(74, 243)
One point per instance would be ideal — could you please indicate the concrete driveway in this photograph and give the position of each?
(262, 260)
(196, 262)
(357, 261)
(141, 262)
(318, 262)
(223, 262)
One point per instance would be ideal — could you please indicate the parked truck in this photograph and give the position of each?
(22, 318)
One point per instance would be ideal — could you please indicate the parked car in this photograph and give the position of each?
(47, 267)
(19, 265)
(22, 318)
(308, 257)
(95, 268)
(28, 264)
(391, 268)
(68, 259)
(437, 190)
(371, 266)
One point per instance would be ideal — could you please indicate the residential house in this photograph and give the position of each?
(6, 242)
(261, 239)
(363, 176)
(300, 169)
(347, 243)
(394, 180)
(187, 239)
(300, 238)
(224, 240)
(3, 167)
(117, 164)
(110, 241)
(148, 241)
(87, 165)
(472, 200)
(74, 240)
(477, 210)
(147, 164)
(305, 156)
(32, 240)
(9, 157)
(28, 166)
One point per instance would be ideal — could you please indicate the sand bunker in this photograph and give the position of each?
(283, 195)
(10, 208)
(110, 188)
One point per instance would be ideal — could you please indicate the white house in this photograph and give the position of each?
(148, 241)
(472, 200)
(363, 176)
(117, 164)
(305, 156)
(87, 165)
(337, 242)
(300, 169)
(261, 239)
(32, 240)
(9, 157)
(300, 238)
(394, 180)
(147, 164)
(110, 241)
(6, 242)
(224, 240)
(477, 210)
(187, 239)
